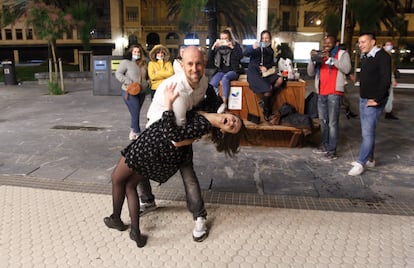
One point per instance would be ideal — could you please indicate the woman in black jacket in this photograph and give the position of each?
(261, 60)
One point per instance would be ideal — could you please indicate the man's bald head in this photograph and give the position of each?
(193, 64)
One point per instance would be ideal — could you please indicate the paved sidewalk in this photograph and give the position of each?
(48, 228)
(268, 207)
(77, 138)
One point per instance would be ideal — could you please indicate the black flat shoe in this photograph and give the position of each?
(391, 116)
(140, 239)
(113, 223)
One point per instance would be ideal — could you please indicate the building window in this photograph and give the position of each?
(29, 34)
(69, 35)
(312, 19)
(103, 29)
(8, 33)
(131, 14)
(285, 21)
(172, 39)
(19, 34)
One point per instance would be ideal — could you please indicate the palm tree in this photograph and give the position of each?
(84, 18)
(368, 14)
(219, 13)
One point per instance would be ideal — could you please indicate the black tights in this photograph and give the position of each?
(124, 183)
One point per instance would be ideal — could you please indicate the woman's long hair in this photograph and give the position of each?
(228, 143)
(264, 32)
(141, 62)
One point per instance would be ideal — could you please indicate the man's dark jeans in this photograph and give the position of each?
(195, 203)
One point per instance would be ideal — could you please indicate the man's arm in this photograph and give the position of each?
(211, 101)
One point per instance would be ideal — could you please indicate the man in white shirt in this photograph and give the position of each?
(192, 86)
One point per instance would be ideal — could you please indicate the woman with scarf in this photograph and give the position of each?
(227, 54)
(262, 59)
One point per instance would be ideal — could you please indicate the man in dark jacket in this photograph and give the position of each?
(375, 81)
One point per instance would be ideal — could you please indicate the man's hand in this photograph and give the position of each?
(170, 95)
(371, 102)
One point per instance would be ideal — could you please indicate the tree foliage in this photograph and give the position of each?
(368, 14)
(84, 19)
(240, 16)
(49, 23)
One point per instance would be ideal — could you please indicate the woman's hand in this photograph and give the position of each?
(170, 95)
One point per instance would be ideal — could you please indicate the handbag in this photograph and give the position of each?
(269, 72)
(133, 89)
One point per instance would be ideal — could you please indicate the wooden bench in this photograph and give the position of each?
(266, 134)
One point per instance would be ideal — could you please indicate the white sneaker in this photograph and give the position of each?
(370, 164)
(222, 108)
(200, 231)
(356, 170)
(133, 136)
(145, 208)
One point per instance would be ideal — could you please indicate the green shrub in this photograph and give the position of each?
(54, 88)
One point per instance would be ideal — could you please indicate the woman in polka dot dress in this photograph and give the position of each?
(158, 152)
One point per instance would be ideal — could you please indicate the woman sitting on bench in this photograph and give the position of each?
(261, 60)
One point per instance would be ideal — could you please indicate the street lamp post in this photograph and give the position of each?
(343, 21)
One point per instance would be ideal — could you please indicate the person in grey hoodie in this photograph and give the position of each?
(133, 69)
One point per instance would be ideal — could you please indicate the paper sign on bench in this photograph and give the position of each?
(235, 98)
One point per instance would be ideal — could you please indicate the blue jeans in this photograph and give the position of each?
(328, 111)
(369, 120)
(225, 79)
(134, 104)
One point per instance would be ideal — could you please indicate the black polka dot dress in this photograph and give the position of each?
(154, 156)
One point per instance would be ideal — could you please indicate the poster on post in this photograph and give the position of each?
(235, 98)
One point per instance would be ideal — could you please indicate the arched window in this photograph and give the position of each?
(191, 39)
(172, 38)
(152, 40)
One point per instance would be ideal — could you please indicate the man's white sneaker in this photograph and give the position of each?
(370, 164)
(356, 170)
(200, 231)
(133, 136)
(222, 108)
(145, 208)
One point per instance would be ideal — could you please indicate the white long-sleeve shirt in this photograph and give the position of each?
(187, 99)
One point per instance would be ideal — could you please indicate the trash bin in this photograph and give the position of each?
(9, 72)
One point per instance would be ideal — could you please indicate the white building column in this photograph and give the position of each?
(262, 10)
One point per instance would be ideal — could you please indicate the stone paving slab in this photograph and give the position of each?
(49, 228)
(34, 144)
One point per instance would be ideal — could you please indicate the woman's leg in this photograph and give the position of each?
(134, 104)
(133, 207)
(120, 177)
(124, 183)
